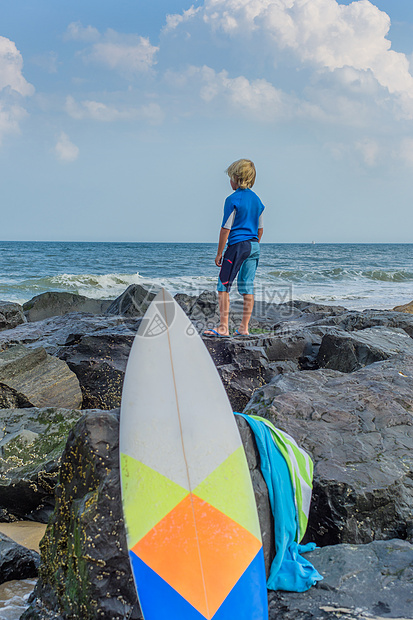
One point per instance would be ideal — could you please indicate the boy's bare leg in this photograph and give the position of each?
(223, 301)
(222, 329)
(246, 314)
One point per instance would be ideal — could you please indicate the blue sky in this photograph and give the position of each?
(118, 118)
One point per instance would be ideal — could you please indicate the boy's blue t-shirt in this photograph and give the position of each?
(242, 215)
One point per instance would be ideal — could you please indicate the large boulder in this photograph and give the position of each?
(58, 303)
(358, 428)
(354, 321)
(85, 571)
(133, 302)
(11, 315)
(349, 351)
(55, 333)
(31, 446)
(32, 378)
(243, 367)
(247, 363)
(260, 491)
(366, 581)
(16, 562)
(99, 362)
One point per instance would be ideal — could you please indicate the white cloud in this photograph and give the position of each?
(13, 86)
(11, 65)
(173, 21)
(322, 34)
(10, 117)
(370, 151)
(128, 54)
(77, 32)
(128, 58)
(256, 99)
(98, 111)
(65, 150)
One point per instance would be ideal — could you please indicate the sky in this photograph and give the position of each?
(118, 118)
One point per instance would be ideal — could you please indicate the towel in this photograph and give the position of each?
(287, 471)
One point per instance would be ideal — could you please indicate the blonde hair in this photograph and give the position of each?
(242, 172)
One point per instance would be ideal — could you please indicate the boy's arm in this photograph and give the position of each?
(223, 238)
(260, 231)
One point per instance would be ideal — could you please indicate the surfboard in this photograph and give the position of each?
(192, 527)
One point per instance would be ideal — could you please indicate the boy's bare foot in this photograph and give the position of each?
(239, 332)
(219, 331)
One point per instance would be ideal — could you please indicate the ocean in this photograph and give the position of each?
(356, 276)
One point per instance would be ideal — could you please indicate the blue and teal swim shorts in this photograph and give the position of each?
(242, 259)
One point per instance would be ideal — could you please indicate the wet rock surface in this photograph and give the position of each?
(85, 571)
(11, 315)
(31, 446)
(358, 428)
(32, 378)
(243, 367)
(260, 490)
(57, 303)
(16, 562)
(54, 333)
(99, 362)
(349, 351)
(354, 321)
(366, 581)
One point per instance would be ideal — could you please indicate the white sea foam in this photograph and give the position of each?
(14, 596)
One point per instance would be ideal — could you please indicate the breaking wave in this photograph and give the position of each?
(106, 286)
(337, 274)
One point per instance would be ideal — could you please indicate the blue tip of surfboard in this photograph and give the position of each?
(246, 601)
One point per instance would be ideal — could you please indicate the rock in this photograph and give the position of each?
(284, 345)
(247, 363)
(16, 562)
(85, 571)
(260, 491)
(347, 352)
(32, 378)
(354, 321)
(366, 581)
(243, 367)
(99, 362)
(55, 304)
(204, 313)
(317, 309)
(185, 301)
(11, 315)
(358, 428)
(133, 302)
(405, 308)
(56, 332)
(31, 446)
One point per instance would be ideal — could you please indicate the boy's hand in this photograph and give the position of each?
(218, 260)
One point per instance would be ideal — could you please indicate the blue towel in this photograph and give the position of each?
(289, 571)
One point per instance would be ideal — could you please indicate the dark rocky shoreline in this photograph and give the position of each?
(340, 382)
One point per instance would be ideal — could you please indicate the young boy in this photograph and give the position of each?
(242, 227)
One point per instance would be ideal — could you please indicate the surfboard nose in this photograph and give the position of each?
(159, 316)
